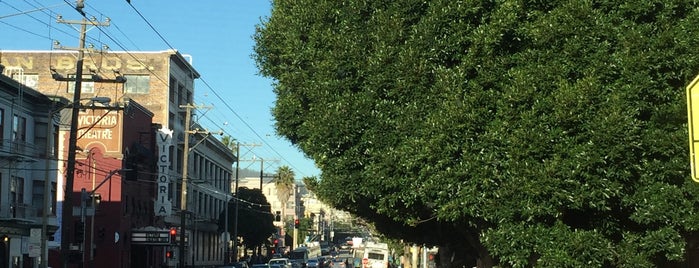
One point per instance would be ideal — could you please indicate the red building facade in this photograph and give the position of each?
(114, 186)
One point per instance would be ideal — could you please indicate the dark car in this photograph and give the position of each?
(240, 264)
(313, 263)
(323, 262)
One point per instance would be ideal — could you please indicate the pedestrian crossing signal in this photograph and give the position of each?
(169, 254)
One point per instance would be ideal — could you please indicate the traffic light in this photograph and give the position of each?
(278, 216)
(276, 242)
(173, 235)
(169, 254)
(296, 223)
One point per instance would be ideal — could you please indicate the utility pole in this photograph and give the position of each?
(235, 194)
(183, 195)
(72, 140)
(235, 223)
(262, 169)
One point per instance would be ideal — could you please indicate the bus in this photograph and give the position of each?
(301, 254)
(371, 255)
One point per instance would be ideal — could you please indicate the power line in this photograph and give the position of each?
(205, 82)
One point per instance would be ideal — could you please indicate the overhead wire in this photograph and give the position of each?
(36, 19)
(219, 96)
(101, 170)
(203, 81)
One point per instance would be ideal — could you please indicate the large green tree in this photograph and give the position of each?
(255, 219)
(519, 133)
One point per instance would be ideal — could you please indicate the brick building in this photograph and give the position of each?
(160, 82)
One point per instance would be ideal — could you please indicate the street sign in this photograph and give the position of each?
(693, 120)
(151, 238)
(77, 211)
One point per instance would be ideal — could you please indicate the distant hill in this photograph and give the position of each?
(244, 173)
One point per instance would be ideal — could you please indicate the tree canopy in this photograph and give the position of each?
(519, 133)
(255, 219)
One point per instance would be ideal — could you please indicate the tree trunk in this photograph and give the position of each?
(468, 254)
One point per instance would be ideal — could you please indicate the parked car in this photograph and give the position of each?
(240, 264)
(312, 263)
(338, 263)
(323, 262)
(260, 265)
(283, 262)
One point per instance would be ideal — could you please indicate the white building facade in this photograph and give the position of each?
(27, 172)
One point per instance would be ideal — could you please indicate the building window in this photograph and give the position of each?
(2, 126)
(171, 120)
(171, 153)
(173, 86)
(87, 86)
(195, 168)
(38, 196)
(19, 128)
(180, 156)
(138, 84)
(55, 143)
(212, 205)
(200, 202)
(17, 190)
(53, 200)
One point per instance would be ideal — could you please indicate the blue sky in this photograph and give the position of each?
(216, 34)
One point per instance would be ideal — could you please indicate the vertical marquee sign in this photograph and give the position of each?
(163, 204)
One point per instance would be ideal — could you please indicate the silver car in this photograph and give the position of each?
(283, 262)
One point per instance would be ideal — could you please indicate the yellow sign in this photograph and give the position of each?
(693, 118)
